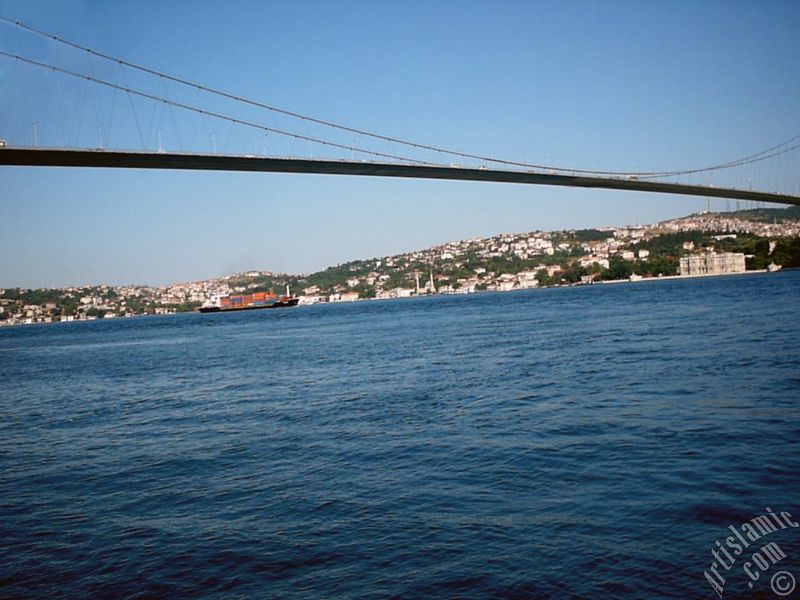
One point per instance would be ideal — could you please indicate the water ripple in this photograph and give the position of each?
(584, 442)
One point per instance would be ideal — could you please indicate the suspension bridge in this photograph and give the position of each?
(84, 107)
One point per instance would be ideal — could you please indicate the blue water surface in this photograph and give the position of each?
(588, 442)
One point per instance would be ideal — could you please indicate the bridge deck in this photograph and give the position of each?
(46, 157)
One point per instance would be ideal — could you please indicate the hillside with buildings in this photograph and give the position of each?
(701, 244)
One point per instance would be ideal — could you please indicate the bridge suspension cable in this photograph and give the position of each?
(209, 113)
(772, 152)
(753, 158)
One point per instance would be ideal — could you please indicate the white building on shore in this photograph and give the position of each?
(712, 263)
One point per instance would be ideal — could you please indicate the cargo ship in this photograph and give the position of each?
(254, 301)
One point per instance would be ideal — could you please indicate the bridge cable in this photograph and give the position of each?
(217, 115)
(236, 98)
(650, 175)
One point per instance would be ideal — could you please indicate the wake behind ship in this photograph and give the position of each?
(254, 301)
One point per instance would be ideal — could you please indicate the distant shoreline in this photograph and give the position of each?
(672, 277)
(613, 281)
(569, 285)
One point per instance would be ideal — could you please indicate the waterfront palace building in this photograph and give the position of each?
(712, 263)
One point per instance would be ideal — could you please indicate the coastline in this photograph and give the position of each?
(610, 282)
(672, 277)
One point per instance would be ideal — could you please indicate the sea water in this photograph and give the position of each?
(588, 442)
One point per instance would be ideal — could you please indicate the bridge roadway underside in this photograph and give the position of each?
(44, 157)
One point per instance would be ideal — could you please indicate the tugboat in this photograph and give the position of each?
(254, 301)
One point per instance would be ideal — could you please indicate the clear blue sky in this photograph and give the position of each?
(611, 85)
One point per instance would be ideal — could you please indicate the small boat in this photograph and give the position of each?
(254, 301)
